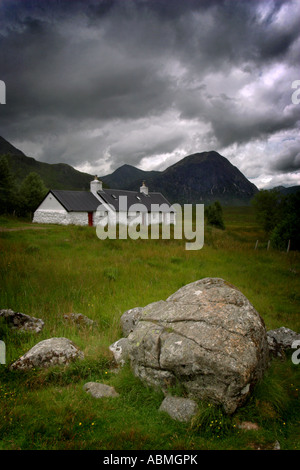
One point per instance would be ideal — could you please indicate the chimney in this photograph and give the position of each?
(144, 188)
(96, 185)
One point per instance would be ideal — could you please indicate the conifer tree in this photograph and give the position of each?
(7, 187)
(32, 192)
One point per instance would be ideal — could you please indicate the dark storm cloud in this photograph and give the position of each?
(289, 160)
(113, 81)
(65, 71)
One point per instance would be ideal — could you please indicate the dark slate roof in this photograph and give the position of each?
(111, 196)
(85, 201)
(77, 201)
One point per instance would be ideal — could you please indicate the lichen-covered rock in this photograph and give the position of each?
(21, 321)
(79, 319)
(98, 390)
(120, 350)
(281, 340)
(130, 319)
(179, 408)
(48, 353)
(208, 337)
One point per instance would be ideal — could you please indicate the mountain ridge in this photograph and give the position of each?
(125, 175)
(202, 177)
(54, 175)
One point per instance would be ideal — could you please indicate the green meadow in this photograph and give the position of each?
(49, 271)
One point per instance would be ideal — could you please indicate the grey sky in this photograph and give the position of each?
(97, 84)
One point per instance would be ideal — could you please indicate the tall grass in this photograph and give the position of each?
(50, 271)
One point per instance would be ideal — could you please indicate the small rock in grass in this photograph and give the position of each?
(180, 409)
(21, 321)
(79, 319)
(248, 426)
(98, 390)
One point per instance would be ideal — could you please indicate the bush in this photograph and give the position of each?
(285, 231)
(32, 192)
(268, 207)
(214, 215)
(7, 188)
(280, 217)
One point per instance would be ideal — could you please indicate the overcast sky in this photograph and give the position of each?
(100, 83)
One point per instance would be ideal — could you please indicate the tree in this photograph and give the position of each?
(279, 216)
(268, 208)
(214, 215)
(32, 191)
(288, 228)
(7, 187)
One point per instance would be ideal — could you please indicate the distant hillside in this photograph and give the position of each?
(288, 190)
(55, 176)
(199, 178)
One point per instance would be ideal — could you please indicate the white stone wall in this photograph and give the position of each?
(50, 217)
(60, 217)
(78, 218)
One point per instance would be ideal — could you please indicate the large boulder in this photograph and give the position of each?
(120, 350)
(48, 353)
(130, 319)
(207, 337)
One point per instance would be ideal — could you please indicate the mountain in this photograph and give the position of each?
(286, 191)
(7, 148)
(199, 178)
(202, 178)
(125, 175)
(55, 176)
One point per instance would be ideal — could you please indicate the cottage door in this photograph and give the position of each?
(90, 215)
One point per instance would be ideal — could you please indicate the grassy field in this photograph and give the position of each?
(49, 271)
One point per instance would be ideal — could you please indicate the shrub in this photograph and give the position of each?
(288, 229)
(268, 206)
(214, 215)
(280, 217)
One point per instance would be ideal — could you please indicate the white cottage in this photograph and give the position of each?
(98, 206)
